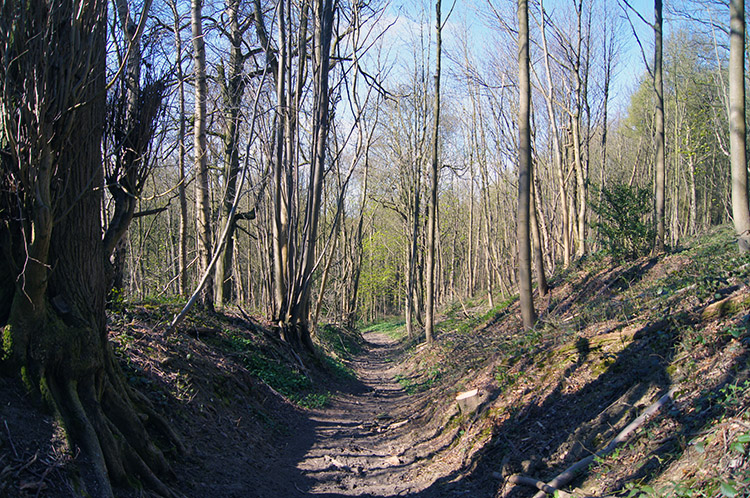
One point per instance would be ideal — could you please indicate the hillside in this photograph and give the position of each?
(375, 413)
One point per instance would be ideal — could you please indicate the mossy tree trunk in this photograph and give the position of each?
(52, 100)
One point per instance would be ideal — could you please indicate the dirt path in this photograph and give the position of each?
(370, 442)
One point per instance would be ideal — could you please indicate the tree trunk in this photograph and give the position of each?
(55, 332)
(300, 302)
(740, 211)
(541, 277)
(232, 90)
(200, 154)
(660, 164)
(528, 313)
(181, 193)
(434, 177)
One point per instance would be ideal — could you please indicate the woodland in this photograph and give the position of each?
(268, 217)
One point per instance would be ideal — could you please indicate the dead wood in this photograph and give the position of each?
(726, 306)
(534, 483)
(571, 472)
(198, 331)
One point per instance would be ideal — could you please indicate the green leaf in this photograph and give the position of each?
(737, 447)
(728, 490)
(743, 438)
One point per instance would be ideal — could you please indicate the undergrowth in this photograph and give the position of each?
(394, 328)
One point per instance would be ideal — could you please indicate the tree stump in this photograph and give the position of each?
(469, 401)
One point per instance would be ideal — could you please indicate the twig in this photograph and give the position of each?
(10, 439)
(245, 315)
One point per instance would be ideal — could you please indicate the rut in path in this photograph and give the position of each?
(375, 442)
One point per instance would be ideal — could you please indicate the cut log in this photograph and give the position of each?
(726, 306)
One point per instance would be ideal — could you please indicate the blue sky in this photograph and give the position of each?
(409, 19)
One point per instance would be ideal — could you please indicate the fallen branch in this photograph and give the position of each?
(198, 331)
(534, 483)
(566, 476)
(10, 439)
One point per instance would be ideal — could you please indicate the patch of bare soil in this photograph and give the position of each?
(377, 440)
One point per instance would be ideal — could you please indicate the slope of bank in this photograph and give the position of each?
(612, 340)
(375, 414)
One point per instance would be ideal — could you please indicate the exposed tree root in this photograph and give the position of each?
(107, 420)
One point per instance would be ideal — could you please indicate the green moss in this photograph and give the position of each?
(6, 348)
(46, 395)
(26, 379)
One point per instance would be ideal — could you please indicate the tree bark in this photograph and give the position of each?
(528, 313)
(200, 153)
(55, 333)
(660, 164)
(541, 277)
(737, 136)
(429, 327)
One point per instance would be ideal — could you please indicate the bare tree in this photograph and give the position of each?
(232, 86)
(200, 152)
(528, 312)
(434, 179)
(660, 164)
(182, 274)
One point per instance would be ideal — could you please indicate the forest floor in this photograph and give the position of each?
(374, 412)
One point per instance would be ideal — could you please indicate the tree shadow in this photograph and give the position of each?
(545, 436)
(557, 428)
(33, 453)
(715, 404)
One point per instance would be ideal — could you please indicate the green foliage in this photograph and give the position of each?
(626, 227)
(381, 275)
(342, 341)
(395, 329)
(339, 369)
(313, 400)
(6, 348)
(504, 378)
(282, 377)
(288, 381)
